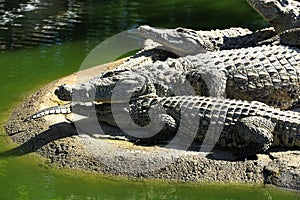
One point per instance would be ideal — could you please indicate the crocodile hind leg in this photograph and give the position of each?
(160, 130)
(257, 133)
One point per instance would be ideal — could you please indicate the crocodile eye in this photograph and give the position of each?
(180, 30)
(187, 31)
(107, 74)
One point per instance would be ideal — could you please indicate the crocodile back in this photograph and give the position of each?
(269, 74)
(222, 116)
(213, 115)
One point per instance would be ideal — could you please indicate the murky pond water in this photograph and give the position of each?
(42, 40)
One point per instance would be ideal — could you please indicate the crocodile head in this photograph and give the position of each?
(101, 89)
(281, 14)
(180, 41)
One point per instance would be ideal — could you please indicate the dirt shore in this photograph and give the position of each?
(55, 138)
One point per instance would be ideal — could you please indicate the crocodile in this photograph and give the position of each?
(190, 38)
(250, 127)
(282, 14)
(269, 74)
(184, 41)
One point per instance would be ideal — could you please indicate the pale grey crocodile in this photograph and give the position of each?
(183, 41)
(269, 74)
(251, 127)
(282, 15)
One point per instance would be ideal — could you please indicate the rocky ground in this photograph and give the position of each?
(83, 146)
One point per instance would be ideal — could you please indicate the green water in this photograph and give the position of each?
(23, 70)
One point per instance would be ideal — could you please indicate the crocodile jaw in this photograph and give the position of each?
(282, 14)
(180, 41)
(269, 9)
(128, 85)
(85, 92)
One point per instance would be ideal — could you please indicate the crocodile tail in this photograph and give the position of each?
(64, 109)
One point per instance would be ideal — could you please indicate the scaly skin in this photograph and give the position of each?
(251, 127)
(269, 74)
(158, 79)
(102, 85)
(281, 14)
(183, 41)
(289, 37)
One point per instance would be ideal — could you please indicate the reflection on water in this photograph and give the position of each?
(29, 23)
(47, 22)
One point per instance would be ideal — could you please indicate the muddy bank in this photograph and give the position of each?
(85, 147)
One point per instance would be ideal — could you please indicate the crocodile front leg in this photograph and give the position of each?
(257, 131)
